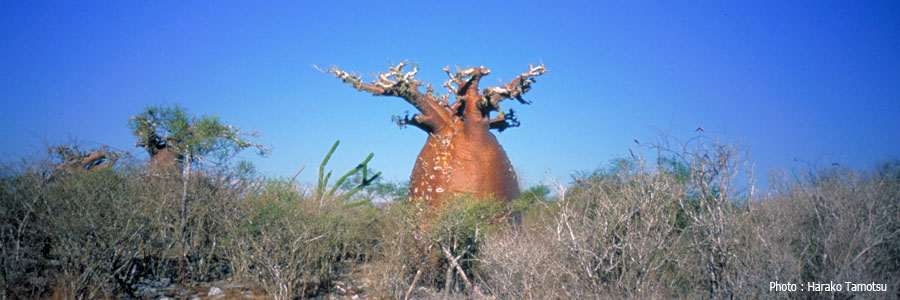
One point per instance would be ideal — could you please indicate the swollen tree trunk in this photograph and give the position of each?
(460, 156)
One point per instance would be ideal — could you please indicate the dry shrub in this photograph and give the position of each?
(95, 230)
(612, 234)
(425, 251)
(23, 243)
(681, 226)
(110, 233)
(634, 231)
(95, 234)
(685, 229)
(79, 231)
(830, 225)
(293, 245)
(399, 254)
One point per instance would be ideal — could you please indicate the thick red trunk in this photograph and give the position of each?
(464, 159)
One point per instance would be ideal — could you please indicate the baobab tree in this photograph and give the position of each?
(170, 136)
(461, 155)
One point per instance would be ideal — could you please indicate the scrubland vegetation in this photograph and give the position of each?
(680, 223)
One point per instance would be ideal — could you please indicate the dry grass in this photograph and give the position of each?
(677, 232)
(682, 225)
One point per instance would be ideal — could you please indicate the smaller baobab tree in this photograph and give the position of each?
(460, 156)
(176, 140)
(171, 137)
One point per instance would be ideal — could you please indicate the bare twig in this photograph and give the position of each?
(454, 264)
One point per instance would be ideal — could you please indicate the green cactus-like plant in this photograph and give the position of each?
(324, 177)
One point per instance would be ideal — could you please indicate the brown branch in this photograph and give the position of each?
(463, 85)
(417, 120)
(442, 100)
(354, 80)
(467, 91)
(404, 85)
(454, 79)
(514, 89)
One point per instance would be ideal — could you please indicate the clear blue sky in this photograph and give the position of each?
(810, 80)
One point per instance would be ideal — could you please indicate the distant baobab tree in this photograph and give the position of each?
(170, 136)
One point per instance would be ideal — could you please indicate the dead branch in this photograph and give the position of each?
(455, 264)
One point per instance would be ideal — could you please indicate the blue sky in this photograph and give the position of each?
(816, 80)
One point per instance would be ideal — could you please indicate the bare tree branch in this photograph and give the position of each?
(514, 89)
(473, 75)
(404, 85)
(454, 263)
(467, 91)
(436, 112)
